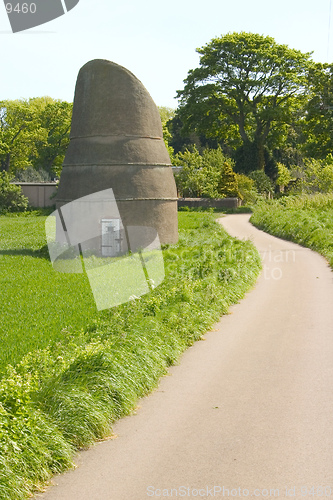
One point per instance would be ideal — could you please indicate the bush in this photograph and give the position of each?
(315, 176)
(206, 175)
(228, 185)
(247, 189)
(30, 174)
(262, 183)
(284, 177)
(11, 197)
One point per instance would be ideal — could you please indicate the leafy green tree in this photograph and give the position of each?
(180, 141)
(34, 133)
(247, 86)
(177, 139)
(228, 184)
(166, 115)
(318, 121)
(284, 177)
(55, 119)
(19, 131)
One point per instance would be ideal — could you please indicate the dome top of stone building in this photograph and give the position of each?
(110, 101)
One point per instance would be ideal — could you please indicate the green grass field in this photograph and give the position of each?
(37, 304)
(307, 220)
(80, 369)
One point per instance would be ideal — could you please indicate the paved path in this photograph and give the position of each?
(250, 409)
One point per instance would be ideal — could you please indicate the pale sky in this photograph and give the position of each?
(153, 39)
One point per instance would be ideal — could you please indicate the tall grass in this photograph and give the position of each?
(62, 397)
(307, 220)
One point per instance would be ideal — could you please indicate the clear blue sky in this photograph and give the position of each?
(155, 40)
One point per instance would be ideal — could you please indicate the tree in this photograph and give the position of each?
(315, 176)
(34, 133)
(247, 85)
(166, 114)
(284, 177)
(19, 131)
(228, 184)
(318, 121)
(56, 120)
(180, 142)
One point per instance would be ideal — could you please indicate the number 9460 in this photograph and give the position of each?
(21, 8)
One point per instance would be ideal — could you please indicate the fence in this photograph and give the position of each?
(39, 194)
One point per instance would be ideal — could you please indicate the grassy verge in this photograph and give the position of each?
(65, 395)
(307, 220)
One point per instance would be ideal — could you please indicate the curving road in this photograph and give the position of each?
(249, 410)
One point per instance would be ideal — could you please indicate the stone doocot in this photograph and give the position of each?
(116, 141)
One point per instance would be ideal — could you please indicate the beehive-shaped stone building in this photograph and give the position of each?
(116, 141)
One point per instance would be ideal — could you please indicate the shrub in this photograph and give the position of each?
(315, 176)
(228, 185)
(30, 174)
(207, 175)
(247, 190)
(11, 197)
(262, 183)
(193, 180)
(284, 177)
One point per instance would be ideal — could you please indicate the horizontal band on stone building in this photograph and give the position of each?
(131, 199)
(128, 136)
(137, 164)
